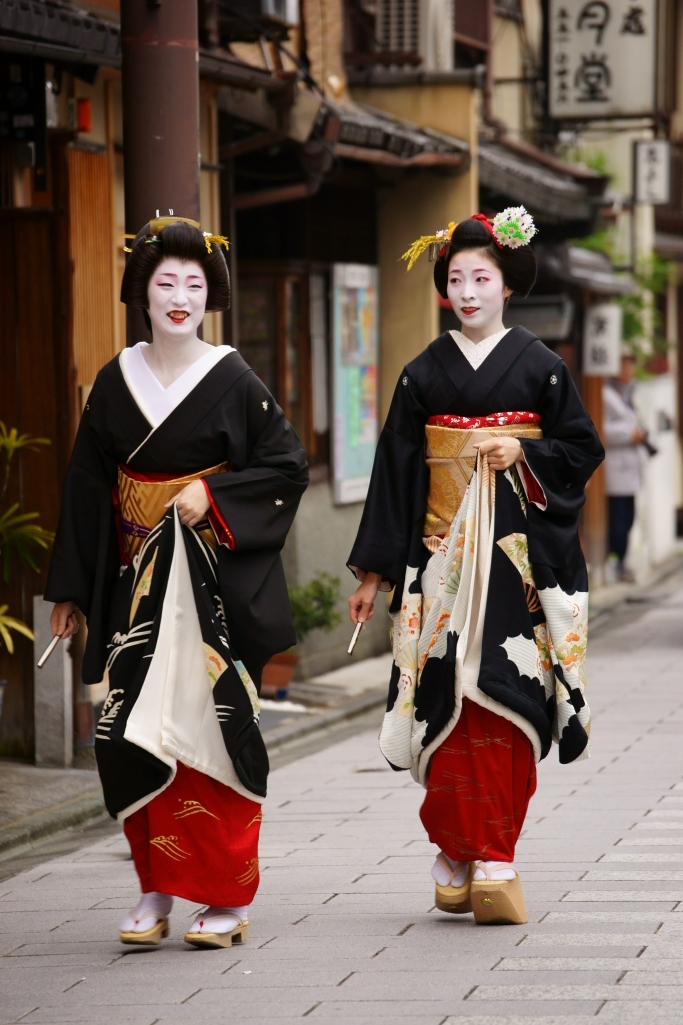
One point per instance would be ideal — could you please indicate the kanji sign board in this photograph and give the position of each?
(652, 165)
(602, 340)
(602, 58)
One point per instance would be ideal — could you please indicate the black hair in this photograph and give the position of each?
(185, 242)
(518, 266)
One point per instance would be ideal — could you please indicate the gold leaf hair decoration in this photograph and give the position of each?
(434, 243)
(216, 240)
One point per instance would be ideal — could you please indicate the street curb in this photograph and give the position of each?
(289, 734)
(618, 594)
(90, 806)
(73, 812)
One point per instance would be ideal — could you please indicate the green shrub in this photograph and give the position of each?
(313, 605)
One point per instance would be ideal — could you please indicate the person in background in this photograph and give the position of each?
(622, 436)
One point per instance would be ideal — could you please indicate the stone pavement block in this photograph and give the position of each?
(548, 1013)
(654, 1013)
(484, 1019)
(582, 939)
(93, 1016)
(577, 992)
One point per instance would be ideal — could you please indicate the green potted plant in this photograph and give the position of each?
(313, 608)
(20, 536)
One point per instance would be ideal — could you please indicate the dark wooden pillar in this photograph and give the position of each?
(160, 83)
(595, 511)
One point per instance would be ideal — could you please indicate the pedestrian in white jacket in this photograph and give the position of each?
(623, 437)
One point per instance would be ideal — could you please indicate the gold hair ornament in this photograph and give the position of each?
(434, 243)
(216, 240)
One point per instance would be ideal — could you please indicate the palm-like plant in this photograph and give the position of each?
(20, 536)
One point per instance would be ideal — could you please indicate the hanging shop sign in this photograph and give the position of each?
(602, 58)
(354, 378)
(652, 172)
(602, 340)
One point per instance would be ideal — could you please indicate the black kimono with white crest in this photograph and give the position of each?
(228, 417)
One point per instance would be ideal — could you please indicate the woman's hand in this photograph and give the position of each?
(362, 601)
(192, 503)
(63, 619)
(501, 452)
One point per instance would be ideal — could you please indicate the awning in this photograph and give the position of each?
(349, 131)
(552, 191)
(363, 133)
(61, 34)
(562, 265)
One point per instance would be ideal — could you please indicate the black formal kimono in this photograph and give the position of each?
(490, 597)
(184, 625)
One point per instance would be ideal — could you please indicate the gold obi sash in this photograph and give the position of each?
(451, 457)
(141, 505)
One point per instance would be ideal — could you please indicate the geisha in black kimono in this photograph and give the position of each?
(471, 517)
(183, 483)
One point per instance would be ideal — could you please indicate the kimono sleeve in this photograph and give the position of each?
(257, 501)
(398, 486)
(562, 462)
(84, 563)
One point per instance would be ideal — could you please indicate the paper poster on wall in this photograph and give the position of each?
(354, 378)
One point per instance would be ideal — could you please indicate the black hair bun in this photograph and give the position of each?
(518, 266)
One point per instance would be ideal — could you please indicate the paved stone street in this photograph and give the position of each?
(343, 928)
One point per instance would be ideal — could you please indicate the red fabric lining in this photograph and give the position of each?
(220, 528)
(492, 420)
(197, 839)
(534, 491)
(481, 780)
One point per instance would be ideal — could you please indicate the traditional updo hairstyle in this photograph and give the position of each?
(518, 266)
(170, 237)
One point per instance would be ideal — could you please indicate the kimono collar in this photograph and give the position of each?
(476, 352)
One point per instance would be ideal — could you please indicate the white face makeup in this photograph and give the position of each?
(476, 293)
(177, 294)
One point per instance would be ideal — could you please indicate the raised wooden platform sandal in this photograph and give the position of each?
(497, 901)
(150, 937)
(200, 936)
(454, 899)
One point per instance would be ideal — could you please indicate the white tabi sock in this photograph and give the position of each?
(496, 871)
(220, 920)
(457, 875)
(150, 909)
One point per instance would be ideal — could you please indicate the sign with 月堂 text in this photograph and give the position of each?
(602, 340)
(602, 58)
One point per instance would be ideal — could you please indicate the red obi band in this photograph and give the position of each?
(471, 423)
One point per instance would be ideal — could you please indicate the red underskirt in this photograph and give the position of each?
(480, 783)
(198, 839)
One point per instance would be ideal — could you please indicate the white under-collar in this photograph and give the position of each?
(476, 352)
(155, 401)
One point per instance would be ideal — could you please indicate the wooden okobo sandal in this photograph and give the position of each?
(151, 937)
(454, 899)
(212, 940)
(498, 901)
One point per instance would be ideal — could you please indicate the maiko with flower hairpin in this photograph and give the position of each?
(471, 520)
(183, 483)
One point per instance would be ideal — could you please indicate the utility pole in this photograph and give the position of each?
(160, 83)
